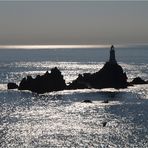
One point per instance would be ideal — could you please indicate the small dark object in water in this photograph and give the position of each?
(12, 85)
(87, 101)
(105, 101)
(104, 124)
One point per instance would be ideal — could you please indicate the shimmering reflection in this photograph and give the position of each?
(62, 119)
(15, 71)
(70, 70)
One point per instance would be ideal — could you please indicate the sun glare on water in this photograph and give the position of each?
(50, 46)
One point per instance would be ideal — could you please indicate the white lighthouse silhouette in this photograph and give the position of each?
(112, 58)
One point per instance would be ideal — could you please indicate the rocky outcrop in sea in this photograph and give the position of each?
(111, 75)
(46, 83)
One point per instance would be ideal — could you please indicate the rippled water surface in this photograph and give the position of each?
(61, 118)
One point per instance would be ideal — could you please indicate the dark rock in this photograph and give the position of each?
(87, 101)
(12, 86)
(110, 76)
(78, 83)
(104, 124)
(105, 101)
(46, 83)
(138, 80)
(26, 83)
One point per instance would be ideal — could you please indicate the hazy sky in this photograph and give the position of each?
(73, 22)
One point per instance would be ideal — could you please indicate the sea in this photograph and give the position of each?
(62, 119)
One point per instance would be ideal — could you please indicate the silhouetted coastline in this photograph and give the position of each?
(111, 75)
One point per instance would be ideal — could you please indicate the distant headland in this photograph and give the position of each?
(111, 75)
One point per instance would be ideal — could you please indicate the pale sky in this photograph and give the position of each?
(56, 23)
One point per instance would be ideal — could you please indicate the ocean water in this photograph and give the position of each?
(61, 119)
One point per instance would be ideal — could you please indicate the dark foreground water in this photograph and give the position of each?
(61, 119)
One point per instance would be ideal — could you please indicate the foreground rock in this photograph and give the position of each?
(46, 83)
(138, 80)
(12, 86)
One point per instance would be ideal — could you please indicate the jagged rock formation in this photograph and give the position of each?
(46, 83)
(110, 76)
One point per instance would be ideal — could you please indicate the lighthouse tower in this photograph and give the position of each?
(112, 58)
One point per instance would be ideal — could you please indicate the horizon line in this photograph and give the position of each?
(51, 46)
(68, 46)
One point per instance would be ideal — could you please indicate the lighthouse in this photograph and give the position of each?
(112, 58)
